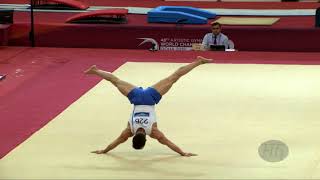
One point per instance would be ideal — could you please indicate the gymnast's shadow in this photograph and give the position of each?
(146, 164)
(131, 163)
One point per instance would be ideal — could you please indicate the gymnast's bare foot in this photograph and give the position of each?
(203, 60)
(91, 70)
(188, 154)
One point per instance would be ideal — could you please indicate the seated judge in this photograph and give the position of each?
(215, 38)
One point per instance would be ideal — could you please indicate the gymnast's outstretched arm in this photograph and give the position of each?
(156, 134)
(121, 139)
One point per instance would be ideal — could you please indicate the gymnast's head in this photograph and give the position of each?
(139, 139)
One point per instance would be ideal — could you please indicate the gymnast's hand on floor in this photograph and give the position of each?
(99, 152)
(188, 154)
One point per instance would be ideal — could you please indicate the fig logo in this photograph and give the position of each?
(155, 45)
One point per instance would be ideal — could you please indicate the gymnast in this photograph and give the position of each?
(143, 121)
